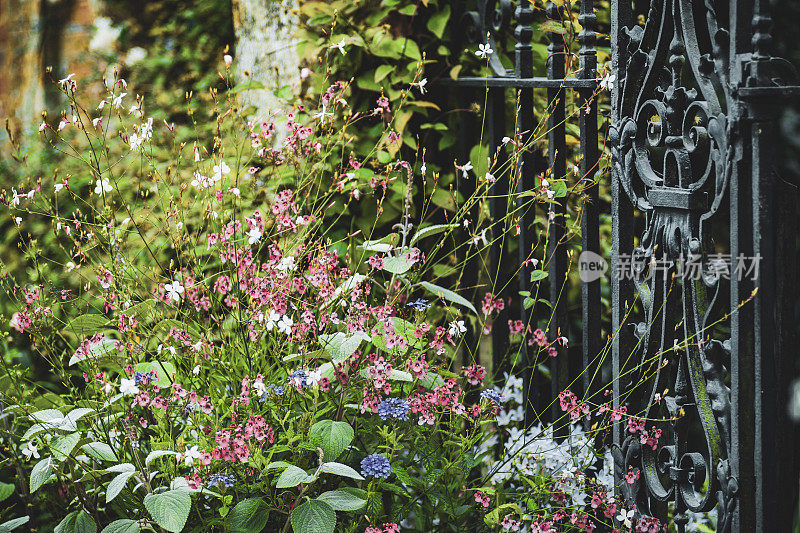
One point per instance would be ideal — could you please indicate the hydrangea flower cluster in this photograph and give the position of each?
(223, 479)
(396, 408)
(376, 465)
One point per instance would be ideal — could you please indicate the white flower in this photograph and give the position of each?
(196, 154)
(285, 324)
(286, 263)
(484, 50)
(457, 327)
(128, 387)
(259, 388)
(70, 266)
(65, 80)
(228, 60)
(506, 140)
(465, 168)
(116, 100)
(322, 114)
(272, 319)
(102, 186)
(423, 169)
(504, 418)
(304, 73)
(235, 191)
(607, 82)
(220, 171)
(29, 451)
(341, 46)
(199, 181)
(489, 178)
(96, 121)
(254, 235)
(191, 453)
(174, 290)
(626, 517)
(421, 85)
(17, 196)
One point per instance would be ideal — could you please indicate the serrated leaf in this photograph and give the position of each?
(169, 509)
(100, 451)
(40, 473)
(448, 295)
(125, 525)
(250, 515)
(116, 485)
(345, 499)
(77, 522)
(340, 470)
(293, 476)
(313, 516)
(332, 437)
(7, 527)
(63, 446)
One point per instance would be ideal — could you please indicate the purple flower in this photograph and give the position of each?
(226, 480)
(376, 465)
(492, 395)
(419, 304)
(396, 408)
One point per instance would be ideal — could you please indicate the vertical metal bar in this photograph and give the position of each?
(742, 460)
(523, 67)
(498, 208)
(590, 221)
(621, 225)
(557, 253)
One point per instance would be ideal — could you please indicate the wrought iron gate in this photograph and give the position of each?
(703, 242)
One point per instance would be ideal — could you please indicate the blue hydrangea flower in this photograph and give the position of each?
(376, 465)
(420, 304)
(492, 395)
(396, 408)
(226, 480)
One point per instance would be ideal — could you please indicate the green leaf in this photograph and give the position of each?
(169, 509)
(63, 446)
(6, 490)
(248, 516)
(537, 275)
(438, 21)
(40, 473)
(345, 499)
(116, 485)
(100, 451)
(125, 525)
(332, 437)
(77, 522)
(6, 527)
(552, 26)
(101, 349)
(249, 85)
(340, 470)
(383, 71)
(293, 476)
(397, 265)
(155, 454)
(284, 92)
(87, 324)
(340, 345)
(431, 230)
(314, 516)
(448, 295)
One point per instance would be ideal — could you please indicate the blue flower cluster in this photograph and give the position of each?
(226, 480)
(396, 408)
(420, 304)
(277, 390)
(493, 395)
(376, 465)
(302, 376)
(139, 376)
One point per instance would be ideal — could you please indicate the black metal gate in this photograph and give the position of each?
(703, 244)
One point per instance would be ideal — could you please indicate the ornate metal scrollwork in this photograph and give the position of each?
(483, 26)
(670, 139)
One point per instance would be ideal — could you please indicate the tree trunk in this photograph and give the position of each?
(266, 49)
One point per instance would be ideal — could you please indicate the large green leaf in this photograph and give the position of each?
(169, 509)
(248, 516)
(448, 295)
(6, 490)
(341, 470)
(77, 522)
(332, 437)
(438, 21)
(430, 231)
(87, 324)
(41, 472)
(314, 516)
(293, 476)
(345, 499)
(125, 525)
(7, 527)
